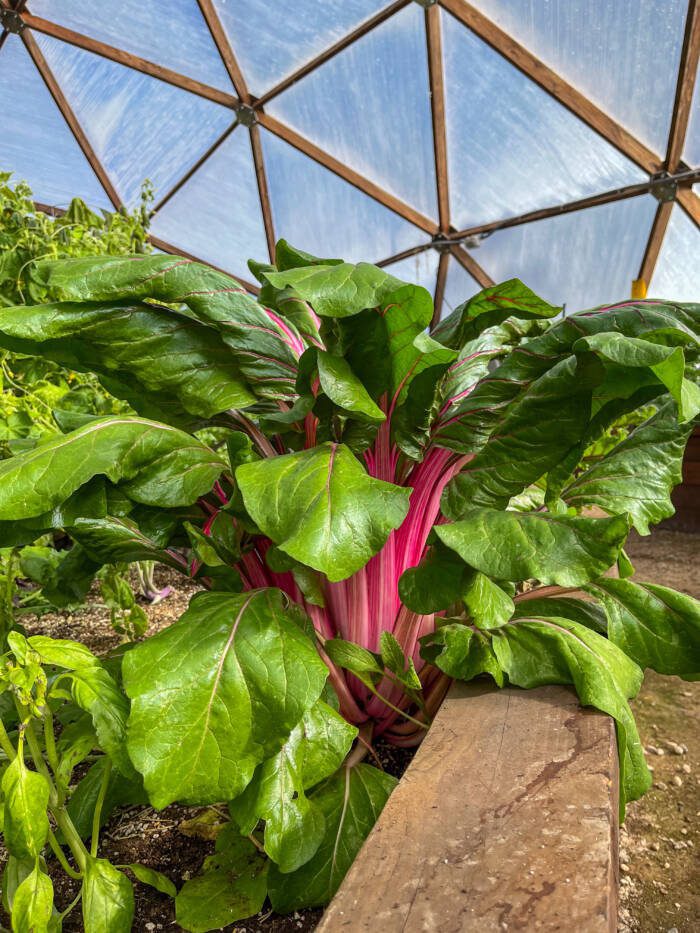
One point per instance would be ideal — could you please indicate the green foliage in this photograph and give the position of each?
(334, 476)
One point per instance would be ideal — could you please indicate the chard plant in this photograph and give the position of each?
(371, 510)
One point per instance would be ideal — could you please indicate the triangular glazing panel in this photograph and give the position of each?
(35, 142)
(512, 147)
(580, 260)
(370, 107)
(677, 272)
(459, 287)
(271, 40)
(216, 215)
(420, 269)
(622, 54)
(321, 213)
(173, 34)
(134, 123)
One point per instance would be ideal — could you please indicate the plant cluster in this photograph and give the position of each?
(381, 510)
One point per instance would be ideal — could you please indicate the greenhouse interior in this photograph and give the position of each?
(350, 466)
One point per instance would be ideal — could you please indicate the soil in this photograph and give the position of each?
(660, 843)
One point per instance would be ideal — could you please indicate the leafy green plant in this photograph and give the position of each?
(33, 388)
(390, 510)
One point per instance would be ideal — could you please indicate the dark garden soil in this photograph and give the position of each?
(660, 843)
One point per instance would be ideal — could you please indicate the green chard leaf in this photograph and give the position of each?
(638, 475)
(108, 898)
(155, 350)
(232, 886)
(518, 546)
(264, 348)
(344, 389)
(350, 802)
(118, 540)
(96, 692)
(320, 507)
(217, 693)
(489, 307)
(556, 650)
(655, 626)
(155, 464)
(462, 652)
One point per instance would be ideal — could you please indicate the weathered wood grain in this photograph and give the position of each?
(505, 820)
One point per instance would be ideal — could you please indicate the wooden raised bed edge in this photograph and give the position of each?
(506, 819)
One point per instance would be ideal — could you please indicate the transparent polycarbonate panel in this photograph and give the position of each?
(677, 272)
(579, 260)
(173, 34)
(321, 213)
(140, 128)
(623, 54)
(691, 153)
(420, 269)
(216, 215)
(370, 107)
(512, 148)
(459, 286)
(271, 40)
(35, 142)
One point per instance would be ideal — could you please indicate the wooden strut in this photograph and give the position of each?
(687, 70)
(440, 282)
(70, 118)
(467, 261)
(433, 31)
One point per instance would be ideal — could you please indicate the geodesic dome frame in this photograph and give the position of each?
(459, 143)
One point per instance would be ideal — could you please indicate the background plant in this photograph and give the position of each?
(373, 510)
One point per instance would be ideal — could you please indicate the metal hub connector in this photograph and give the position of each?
(12, 21)
(246, 115)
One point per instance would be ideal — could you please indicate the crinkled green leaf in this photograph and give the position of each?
(462, 652)
(517, 546)
(667, 364)
(535, 651)
(638, 475)
(32, 906)
(344, 389)
(156, 350)
(489, 307)
(156, 464)
(217, 693)
(108, 898)
(488, 605)
(89, 501)
(320, 507)
(537, 430)
(657, 627)
(260, 346)
(351, 802)
(436, 583)
(585, 612)
(232, 886)
(26, 797)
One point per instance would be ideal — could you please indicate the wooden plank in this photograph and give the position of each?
(218, 34)
(687, 73)
(507, 819)
(690, 203)
(433, 32)
(467, 261)
(656, 238)
(263, 190)
(178, 251)
(551, 82)
(70, 118)
(130, 61)
(339, 46)
(348, 174)
(440, 282)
